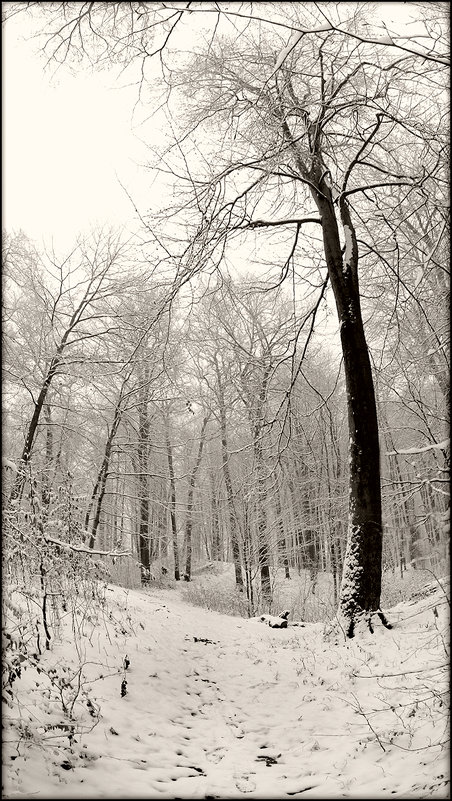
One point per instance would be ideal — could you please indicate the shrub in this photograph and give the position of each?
(227, 600)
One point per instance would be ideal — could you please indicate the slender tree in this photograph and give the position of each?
(191, 491)
(172, 500)
(309, 129)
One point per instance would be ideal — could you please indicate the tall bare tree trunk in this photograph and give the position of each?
(263, 544)
(143, 480)
(46, 479)
(282, 545)
(361, 581)
(55, 363)
(215, 525)
(101, 482)
(169, 452)
(228, 483)
(18, 485)
(191, 489)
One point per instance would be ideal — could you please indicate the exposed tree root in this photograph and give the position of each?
(352, 622)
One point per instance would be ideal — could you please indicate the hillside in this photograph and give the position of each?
(170, 700)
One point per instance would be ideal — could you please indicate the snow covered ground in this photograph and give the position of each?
(170, 700)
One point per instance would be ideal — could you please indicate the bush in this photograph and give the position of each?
(227, 600)
(396, 588)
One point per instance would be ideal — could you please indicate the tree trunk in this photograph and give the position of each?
(248, 560)
(191, 490)
(55, 362)
(262, 534)
(169, 452)
(215, 526)
(228, 483)
(400, 513)
(101, 482)
(18, 485)
(46, 479)
(162, 538)
(361, 581)
(282, 545)
(101, 487)
(143, 467)
(256, 407)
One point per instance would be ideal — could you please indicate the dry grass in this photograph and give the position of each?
(213, 587)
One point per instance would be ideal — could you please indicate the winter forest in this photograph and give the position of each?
(225, 473)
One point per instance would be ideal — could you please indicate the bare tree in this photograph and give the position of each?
(191, 490)
(71, 313)
(308, 127)
(173, 499)
(307, 149)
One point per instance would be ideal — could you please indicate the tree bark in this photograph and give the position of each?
(169, 452)
(55, 363)
(143, 466)
(361, 581)
(255, 402)
(262, 534)
(228, 483)
(18, 485)
(215, 525)
(101, 483)
(191, 490)
(282, 545)
(46, 479)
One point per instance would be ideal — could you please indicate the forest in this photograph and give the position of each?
(256, 377)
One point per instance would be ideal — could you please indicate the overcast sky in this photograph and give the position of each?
(66, 140)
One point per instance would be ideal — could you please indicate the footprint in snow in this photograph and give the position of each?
(216, 755)
(244, 783)
(236, 727)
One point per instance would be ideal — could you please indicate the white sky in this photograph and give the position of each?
(65, 140)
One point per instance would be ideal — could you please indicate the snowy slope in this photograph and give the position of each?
(225, 707)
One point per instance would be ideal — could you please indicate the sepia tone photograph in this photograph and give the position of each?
(225, 400)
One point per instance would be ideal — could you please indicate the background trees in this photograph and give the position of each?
(329, 138)
(309, 146)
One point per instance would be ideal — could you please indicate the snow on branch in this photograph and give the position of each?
(433, 446)
(8, 464)
(296, 221)
(292, 43)
(84, 549)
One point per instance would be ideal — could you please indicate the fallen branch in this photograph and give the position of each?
(205, 640)
(275, 622)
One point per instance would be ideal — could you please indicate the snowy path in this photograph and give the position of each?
(254, 712)
(221, 714)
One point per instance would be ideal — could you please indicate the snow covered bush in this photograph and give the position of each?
(227, 600)
(47, 585)
(396, 588)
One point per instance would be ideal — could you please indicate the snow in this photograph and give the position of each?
(228, 707)
(433, 446)
(348, 253)
(8, 464)
(293, 41)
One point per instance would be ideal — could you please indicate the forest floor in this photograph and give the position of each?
(215, 706)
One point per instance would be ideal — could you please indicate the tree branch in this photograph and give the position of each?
(294, 221)
(83, 549)
(433, 446)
